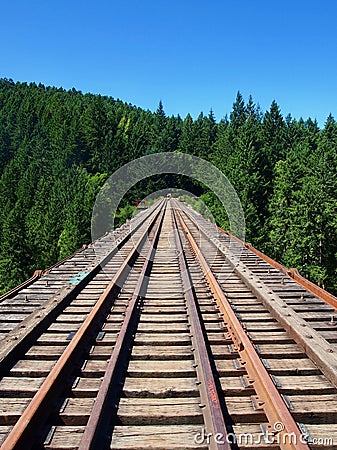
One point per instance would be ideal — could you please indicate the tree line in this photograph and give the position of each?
(58, 147)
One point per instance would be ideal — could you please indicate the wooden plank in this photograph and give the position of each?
(34, 302)
(86, 387)
(94, 368)
(20, 387)
(32, 368)
(241, 296)
(64, 338)
(162, 352)
(223, 352)
(229, 368)
(45, 351)
(253, 308)
(77, 309)
(7, 326)
(214, 317)
(158, 306)
(156, 327)
(161, 387)
(325, 325)
(241, 410)
(65, 438)
(316, 347)
(215, 326)
(218, 338)
(277, 350)
(156, 411)
(76, 411)
(10, 308)
(85, 300)
(164, 318)
(263, 326)
(162, 339)
(59, 327)
(314, 316)
(330, 336)
(20, 301)
(300, 366)
(4, 430)
(155, 368)
(13, 317)
(324, 436)
(11, 409)
(249, 436)
(280, 337)
(312, 307)
(163, 294)
(159, 437)
(248, 317)
(72, 318)
(233, 385)
(3, 334)
(54, 338)
(301, 384)
(101, 352)
(319, 408)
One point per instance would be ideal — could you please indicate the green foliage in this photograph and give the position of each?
(58, 147)
(123, 214)
(198, 204)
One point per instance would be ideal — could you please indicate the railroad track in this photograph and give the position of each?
(168, 334)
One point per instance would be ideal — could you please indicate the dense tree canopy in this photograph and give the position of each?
(58, 147)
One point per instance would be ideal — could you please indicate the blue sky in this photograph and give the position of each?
(193, 55)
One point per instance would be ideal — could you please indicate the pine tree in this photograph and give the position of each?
(238, 114)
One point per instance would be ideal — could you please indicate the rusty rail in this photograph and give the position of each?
(292, 273)
(40, 273)
(312, 342)
(99, 420)
(11, 293)
(258, 377)
(34, 417)
(214, 419)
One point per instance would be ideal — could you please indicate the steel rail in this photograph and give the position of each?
(40, 273)
(316, 347)
(291, 273)
(34, 416)
(258, 377)
(98, 422)
(17, 341)
(11, 293)
(213, 415)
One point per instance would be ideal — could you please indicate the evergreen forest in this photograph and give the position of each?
(58, 147)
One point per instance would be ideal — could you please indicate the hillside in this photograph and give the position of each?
(58, 147)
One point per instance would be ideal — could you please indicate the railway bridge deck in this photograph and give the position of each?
(168, 333)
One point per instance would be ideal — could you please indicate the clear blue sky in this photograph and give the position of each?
(193, 55)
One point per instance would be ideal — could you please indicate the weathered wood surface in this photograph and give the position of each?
(161, 404)
(177, 437)
(156, 411)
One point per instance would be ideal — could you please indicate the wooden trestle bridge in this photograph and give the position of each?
(168, 333)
